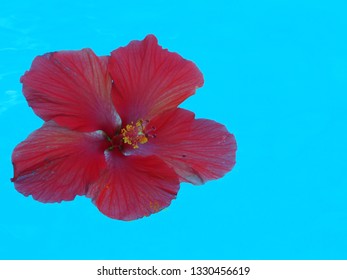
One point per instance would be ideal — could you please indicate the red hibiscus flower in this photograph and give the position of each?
(113, 131)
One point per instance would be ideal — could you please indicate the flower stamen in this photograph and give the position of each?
(133, 134)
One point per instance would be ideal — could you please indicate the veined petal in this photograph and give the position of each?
(55, 163)
(198, 149)
(73, 88)
(133, 187)
(149, 79)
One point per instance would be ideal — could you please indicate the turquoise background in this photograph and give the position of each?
(275, 75)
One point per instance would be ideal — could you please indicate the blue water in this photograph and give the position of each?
(275, 75)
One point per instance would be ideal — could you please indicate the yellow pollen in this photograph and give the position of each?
(133, 134)
(154, 206)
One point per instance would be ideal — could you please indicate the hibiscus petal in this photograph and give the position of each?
(73, 88)
(133, 187)
(198, 149)
(149, 79)
(55, 163)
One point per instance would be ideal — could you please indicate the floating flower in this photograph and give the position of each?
(113, 131)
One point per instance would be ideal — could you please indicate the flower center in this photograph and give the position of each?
(133, 134)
